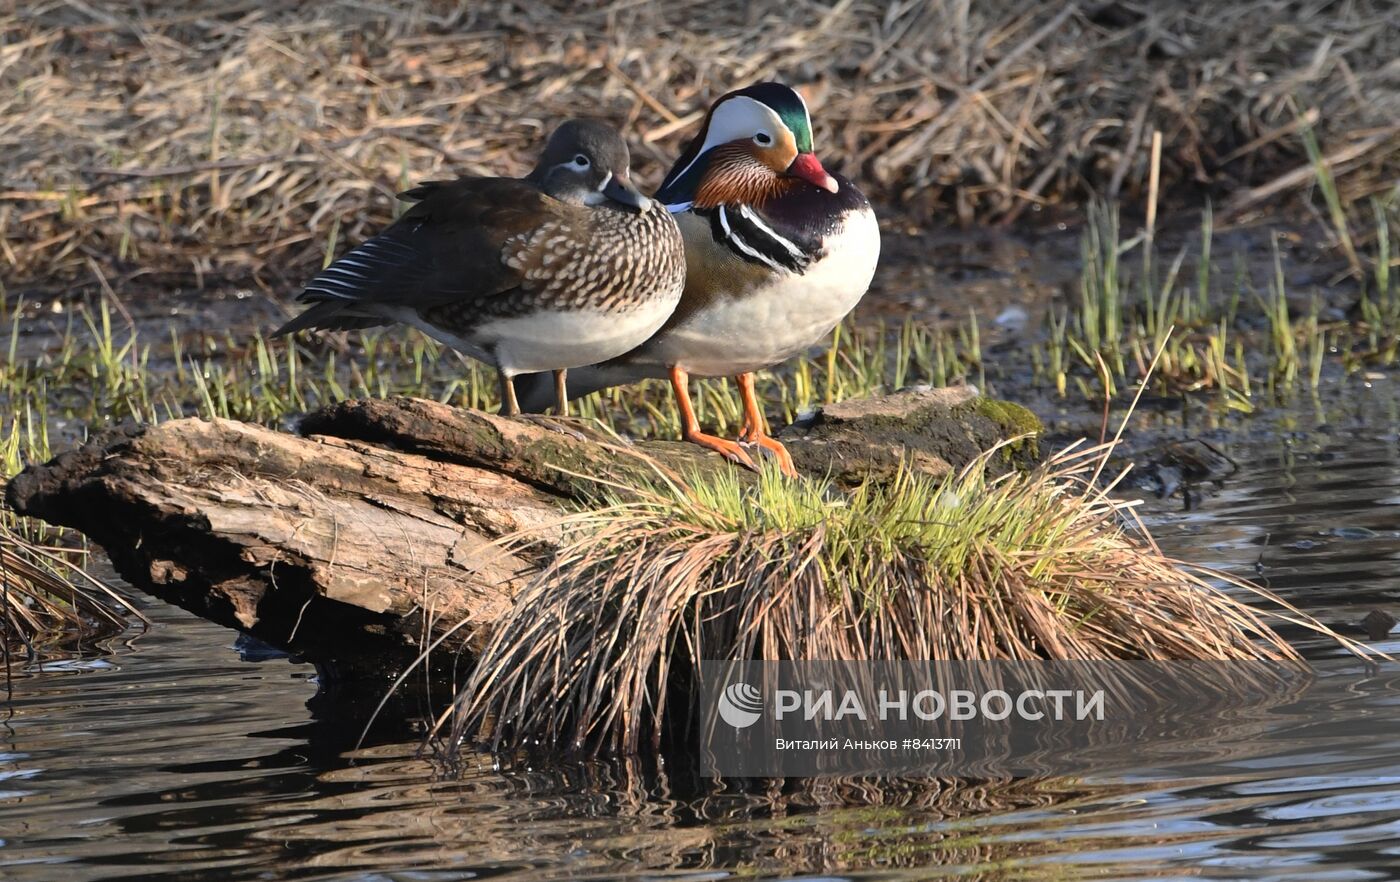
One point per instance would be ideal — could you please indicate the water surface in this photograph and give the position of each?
(174, 758)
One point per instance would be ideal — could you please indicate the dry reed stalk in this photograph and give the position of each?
(47, 597)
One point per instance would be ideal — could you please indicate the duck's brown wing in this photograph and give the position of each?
(463, 242)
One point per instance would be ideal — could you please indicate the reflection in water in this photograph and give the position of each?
(1314, 517)
(174, 759)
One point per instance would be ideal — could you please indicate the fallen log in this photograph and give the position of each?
(376, 528)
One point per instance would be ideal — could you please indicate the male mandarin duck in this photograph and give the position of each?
(566, 267)
(777, 250)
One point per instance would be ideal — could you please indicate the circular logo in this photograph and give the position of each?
(740, 705)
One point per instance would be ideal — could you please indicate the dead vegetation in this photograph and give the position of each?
(226, 140)
(49, 603)
(598, 651)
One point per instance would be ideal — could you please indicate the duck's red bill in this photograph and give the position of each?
(807, 167)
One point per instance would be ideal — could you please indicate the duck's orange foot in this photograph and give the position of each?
(773, 446)
(730, 450)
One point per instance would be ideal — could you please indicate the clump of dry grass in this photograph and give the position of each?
(1036, 565)
(227, 140)
(48, 599)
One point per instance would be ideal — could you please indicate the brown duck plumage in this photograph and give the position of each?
(563, 268)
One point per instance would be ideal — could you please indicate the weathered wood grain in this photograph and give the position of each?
(381, 525)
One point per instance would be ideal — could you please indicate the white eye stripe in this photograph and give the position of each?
(579, 163)
(737, 118)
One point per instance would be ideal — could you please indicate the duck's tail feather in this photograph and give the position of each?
(330, 315)
(535, 392)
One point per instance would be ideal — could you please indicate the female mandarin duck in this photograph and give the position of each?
(566, 267)
(777, 252)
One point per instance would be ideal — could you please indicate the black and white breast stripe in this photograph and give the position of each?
(747, 235)
(363, 268)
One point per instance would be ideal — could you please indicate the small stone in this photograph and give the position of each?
(1378, 624)
(1013, 319)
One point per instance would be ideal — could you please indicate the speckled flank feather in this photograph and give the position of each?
(482, 247)
(609, 263)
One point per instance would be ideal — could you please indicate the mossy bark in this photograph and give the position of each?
(935, 430)
(387, 522)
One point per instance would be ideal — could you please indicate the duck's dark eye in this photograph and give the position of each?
(581, 161)
(763, 139)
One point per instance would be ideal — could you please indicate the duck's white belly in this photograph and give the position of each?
(550, 340)
(737, 332)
